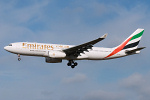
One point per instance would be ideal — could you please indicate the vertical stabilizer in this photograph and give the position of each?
(134, 39)
(130, 43)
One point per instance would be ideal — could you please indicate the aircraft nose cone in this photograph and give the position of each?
(6, 48)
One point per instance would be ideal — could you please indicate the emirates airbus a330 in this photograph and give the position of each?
(55, 53)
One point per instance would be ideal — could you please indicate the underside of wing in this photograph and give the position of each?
(76, 50)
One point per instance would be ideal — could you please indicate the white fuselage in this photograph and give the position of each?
(55, 51)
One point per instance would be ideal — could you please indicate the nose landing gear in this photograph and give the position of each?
(72, 63)
(19, 58)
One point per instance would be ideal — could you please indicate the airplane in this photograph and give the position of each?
(55, 53)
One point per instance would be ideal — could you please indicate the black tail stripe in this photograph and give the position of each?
(131, 45)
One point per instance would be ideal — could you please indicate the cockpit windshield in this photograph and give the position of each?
(10, 45)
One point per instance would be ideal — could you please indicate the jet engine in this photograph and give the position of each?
(53, 60)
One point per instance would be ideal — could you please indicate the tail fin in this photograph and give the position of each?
(133, 40)
(130, 43)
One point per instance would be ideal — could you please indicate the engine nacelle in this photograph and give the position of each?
(53, 60)
(56, 54)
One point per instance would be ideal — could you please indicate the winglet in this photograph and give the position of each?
(104, 36)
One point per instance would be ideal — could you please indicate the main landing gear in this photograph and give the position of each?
(72, 63)
(19, 57)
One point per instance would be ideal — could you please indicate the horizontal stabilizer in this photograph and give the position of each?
(129, 52)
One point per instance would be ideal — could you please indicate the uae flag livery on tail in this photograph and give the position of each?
(134, 41)
(130, 43)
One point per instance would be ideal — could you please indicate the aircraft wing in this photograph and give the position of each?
(76, 50)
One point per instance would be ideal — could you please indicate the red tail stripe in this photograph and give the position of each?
(119, 48)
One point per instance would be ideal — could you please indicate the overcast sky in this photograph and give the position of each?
(74, 22)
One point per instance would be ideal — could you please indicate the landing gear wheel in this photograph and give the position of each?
(73, 66)
(19, 59)
(72, 63)
(69, 64)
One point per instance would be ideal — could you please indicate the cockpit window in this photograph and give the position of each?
(10, 45)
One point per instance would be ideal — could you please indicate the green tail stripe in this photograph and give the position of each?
(137, 35)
